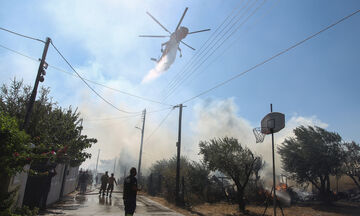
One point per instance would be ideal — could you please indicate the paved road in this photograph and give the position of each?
(92, 204)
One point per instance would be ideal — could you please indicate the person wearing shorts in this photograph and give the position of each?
(111, 182)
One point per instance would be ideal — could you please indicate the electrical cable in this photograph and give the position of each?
(218, 47)
(111, 118)
(162, 121)
(19, 53)
(190, 73)
(111, 88)
(207, 49)
(92, 89)
(200, 51)
(21, 35)
(272, 57)
(234, 41)
(91, 81)
(130, 116)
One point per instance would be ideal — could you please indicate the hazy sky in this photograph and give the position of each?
(317, 83)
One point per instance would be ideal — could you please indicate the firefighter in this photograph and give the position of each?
(104, 180)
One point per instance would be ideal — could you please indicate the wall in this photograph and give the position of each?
(58, 187)
(56, 183)
(19, 181)
(71, 180)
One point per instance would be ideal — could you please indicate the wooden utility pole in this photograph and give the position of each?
(97, 162)
(141, 145)
(39, 78)
(178, 145)
(114, 166)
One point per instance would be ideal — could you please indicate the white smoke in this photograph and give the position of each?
(161, 66)
(219, 118)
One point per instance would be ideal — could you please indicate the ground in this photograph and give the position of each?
(340, 208)
(92, 204)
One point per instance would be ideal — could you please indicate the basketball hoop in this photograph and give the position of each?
(259, 136)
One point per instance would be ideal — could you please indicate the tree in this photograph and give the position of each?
(54, 131)
(228, 156)
(14, 151)
(351, 165)
(195, 176)
(312, 156)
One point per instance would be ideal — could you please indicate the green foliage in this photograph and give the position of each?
(7, 206)
(7, 202)
(312, 156)
(228, 156)
(55, 132)
(195, 179)
(351, 165)
(26, 211)
(15, 146)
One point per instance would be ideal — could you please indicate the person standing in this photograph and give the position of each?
(130, 192)
(82, 182)
(104, 180)
(111, 184)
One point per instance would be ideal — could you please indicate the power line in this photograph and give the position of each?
(234, 41)
(91, 81)
(162, 121)
(112, 118)
(21, 35)
(272, 57)
(92, 89)
(207, 49)
(111, 88)
(200, 51)
(125, 117)
(195, 68)
(19, 53)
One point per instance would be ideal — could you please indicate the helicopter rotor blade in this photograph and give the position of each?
(158, 22)
(187, 45)
(154, 36)
(199, 31)
(182, 17)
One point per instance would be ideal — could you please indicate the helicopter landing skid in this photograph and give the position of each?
(154, 59)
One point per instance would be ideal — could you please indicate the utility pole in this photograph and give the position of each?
(141, 144)
(114, 166)
(39, 78)
(178, 145)
(97, 162)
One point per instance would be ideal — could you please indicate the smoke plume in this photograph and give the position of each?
(161, 66)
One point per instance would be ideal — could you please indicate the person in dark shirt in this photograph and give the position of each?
(104, 180)
(111, 182)
(130, 191)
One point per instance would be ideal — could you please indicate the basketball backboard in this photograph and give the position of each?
(272, 123)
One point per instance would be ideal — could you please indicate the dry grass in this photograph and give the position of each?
(310, 209)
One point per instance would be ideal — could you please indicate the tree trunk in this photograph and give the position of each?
(325, 192)
(355, 181)
(328, 189)
(240, 199)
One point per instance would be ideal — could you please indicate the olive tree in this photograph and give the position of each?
(312, 155)
(228, 156)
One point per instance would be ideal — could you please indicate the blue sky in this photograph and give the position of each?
(315, 83)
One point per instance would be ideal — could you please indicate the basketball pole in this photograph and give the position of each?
(273, 159)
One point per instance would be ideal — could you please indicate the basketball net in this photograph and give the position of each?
(258, 135)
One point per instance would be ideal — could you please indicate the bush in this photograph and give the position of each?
(162, 180)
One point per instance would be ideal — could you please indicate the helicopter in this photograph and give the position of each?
(176, 37)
